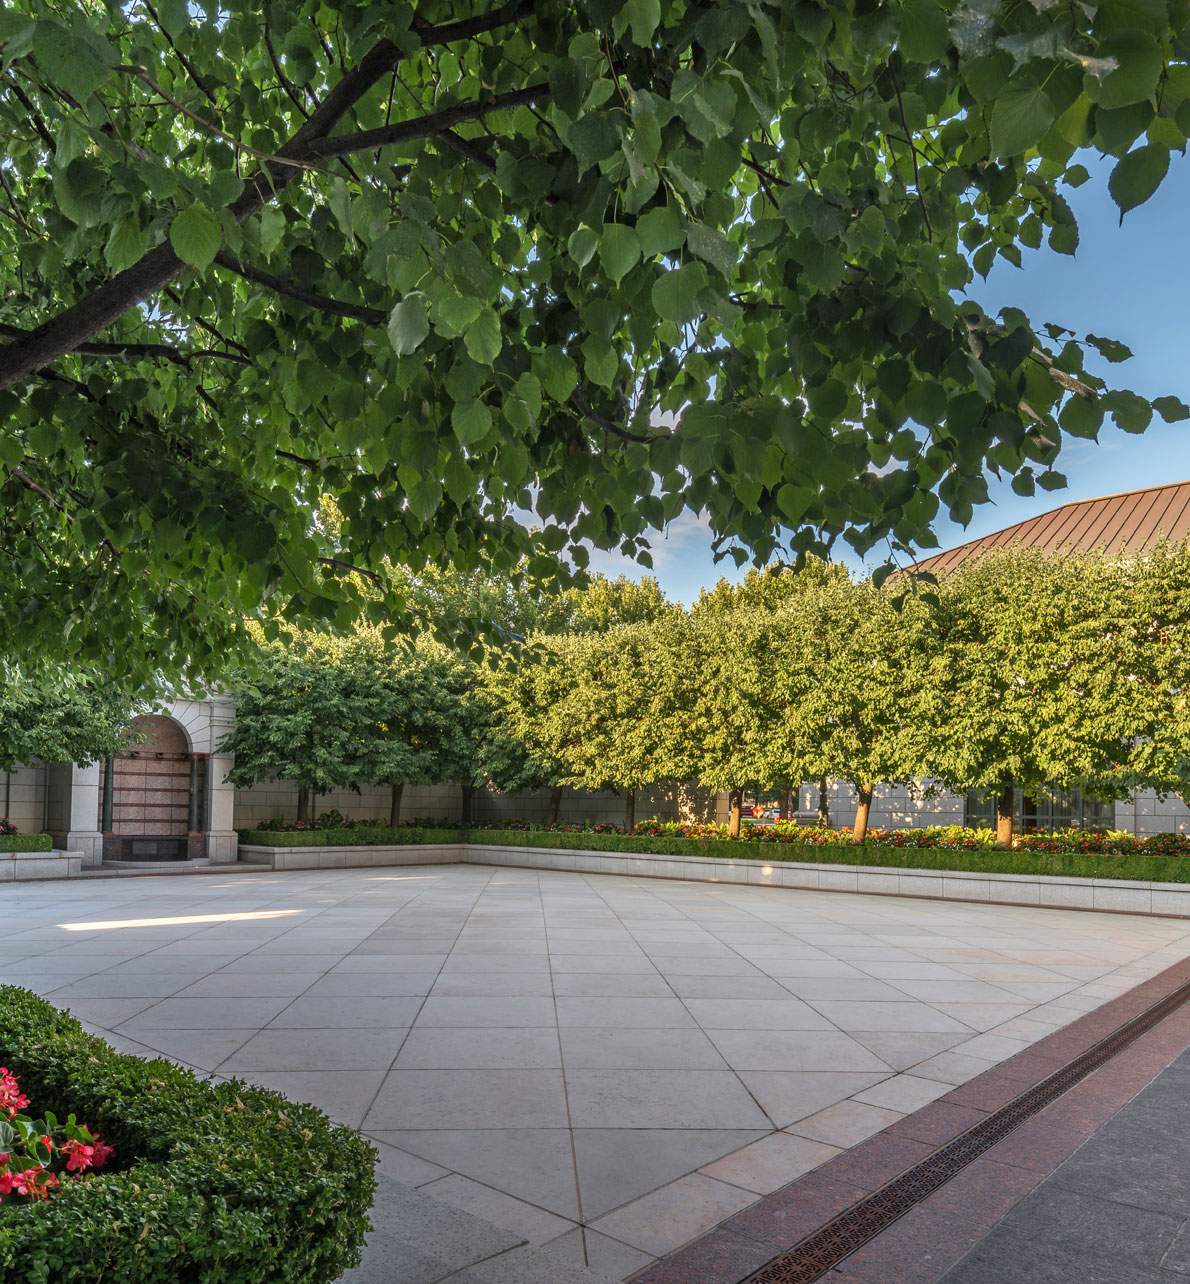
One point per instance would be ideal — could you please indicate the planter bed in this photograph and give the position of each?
(210, 1183)
(1131, 883)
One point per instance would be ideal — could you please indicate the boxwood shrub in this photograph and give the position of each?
(369, 836)
(211, 1183)
(26, 843)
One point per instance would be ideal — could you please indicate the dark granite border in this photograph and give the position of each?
(928, 1239)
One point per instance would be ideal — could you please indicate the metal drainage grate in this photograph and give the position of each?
(852, 1228)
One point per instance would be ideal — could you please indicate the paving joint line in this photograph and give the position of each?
(849, 1230)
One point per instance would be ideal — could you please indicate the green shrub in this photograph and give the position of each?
(369, 836)
(210, 1184)
(991, 860)
(26, 843)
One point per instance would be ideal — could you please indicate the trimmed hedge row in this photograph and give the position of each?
(210, 1183)
(991, 860)
(370, 836)
(26, 843)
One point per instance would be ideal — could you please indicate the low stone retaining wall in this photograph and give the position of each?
(351, 857)
(20, 867)
(1053, 891)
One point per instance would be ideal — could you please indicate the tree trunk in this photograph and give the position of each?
(394, 811)
(303, 804)
(824, 804)
(1004, 801)
(783, 805)
(551, 815)
(468, 804)
(862, 811)
(737, 801)
(630, 810)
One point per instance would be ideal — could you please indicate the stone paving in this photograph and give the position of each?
(1116, 1212)
(601, 1066)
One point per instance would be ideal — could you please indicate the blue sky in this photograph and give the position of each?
(1129, 283)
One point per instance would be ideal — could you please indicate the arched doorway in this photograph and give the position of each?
(153, 795)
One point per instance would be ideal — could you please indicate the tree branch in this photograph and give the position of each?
(134, 351)
(356, 311)
(921, 200)
(436, 125)
(585, 409)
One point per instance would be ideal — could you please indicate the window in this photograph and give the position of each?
(1043, 810)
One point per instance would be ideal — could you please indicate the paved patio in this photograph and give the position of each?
(599, 1065)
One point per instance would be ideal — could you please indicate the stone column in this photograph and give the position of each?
(80, 807)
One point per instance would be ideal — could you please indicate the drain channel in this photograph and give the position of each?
(852, 1228)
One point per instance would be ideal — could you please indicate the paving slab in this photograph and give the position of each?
(609, 1064)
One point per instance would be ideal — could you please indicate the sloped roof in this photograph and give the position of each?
(1133, 520)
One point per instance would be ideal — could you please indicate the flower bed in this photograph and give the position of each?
(211, 1183)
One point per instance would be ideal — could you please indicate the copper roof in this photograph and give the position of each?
(1133, 521)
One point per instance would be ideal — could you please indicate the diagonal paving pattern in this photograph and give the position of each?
(603, 1065)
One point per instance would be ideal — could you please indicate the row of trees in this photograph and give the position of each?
(1016, 671)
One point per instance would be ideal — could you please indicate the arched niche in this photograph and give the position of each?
(153, 795)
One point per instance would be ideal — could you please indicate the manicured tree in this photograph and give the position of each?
(613, 726)
(67, 719)
(297, 719)
(605, 603)
(1150, 599)
(858, 715)
(733, 720)
(1030, 682)
(404, 714)
(589, 269)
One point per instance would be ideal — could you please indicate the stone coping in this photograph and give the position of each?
(935, 1233)
(1044, 890)
(28, 866)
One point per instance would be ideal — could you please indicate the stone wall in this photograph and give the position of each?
(1148, 814)
(24, 788)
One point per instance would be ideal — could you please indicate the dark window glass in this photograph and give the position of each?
(1042, 810)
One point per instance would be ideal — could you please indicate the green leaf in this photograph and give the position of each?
(1172, 409)
(196, 236)
(408, 324)
(174, 15)
(1021, 116)
(471, 421)
(712, 246)
(675, 295)
(924, 35)
(77, 55)
(1082, 417)
(568, 86)
(660, 231)
(619, 250)
(126, 244)
(600, 360)
(482, 337)
(1139, 65)
(271, 227)
(1137, 176)
(582, 244)
(454, 313)
(593, 138)
(644, 17)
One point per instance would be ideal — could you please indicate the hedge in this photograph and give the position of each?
(369, 836)
(991, 860)
(1157, 869)
(210, 1183)
(26, 843)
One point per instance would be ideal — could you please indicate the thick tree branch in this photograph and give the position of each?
(435, 125)
(356, 311)
(134, 351)
(446, 32)
(126, 289)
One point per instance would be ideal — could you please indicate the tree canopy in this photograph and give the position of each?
(510, 281)
(71, 719)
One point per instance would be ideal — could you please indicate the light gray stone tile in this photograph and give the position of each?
(485, 1048)
(419, 1099)
(613, 1048)
(646, 1099)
